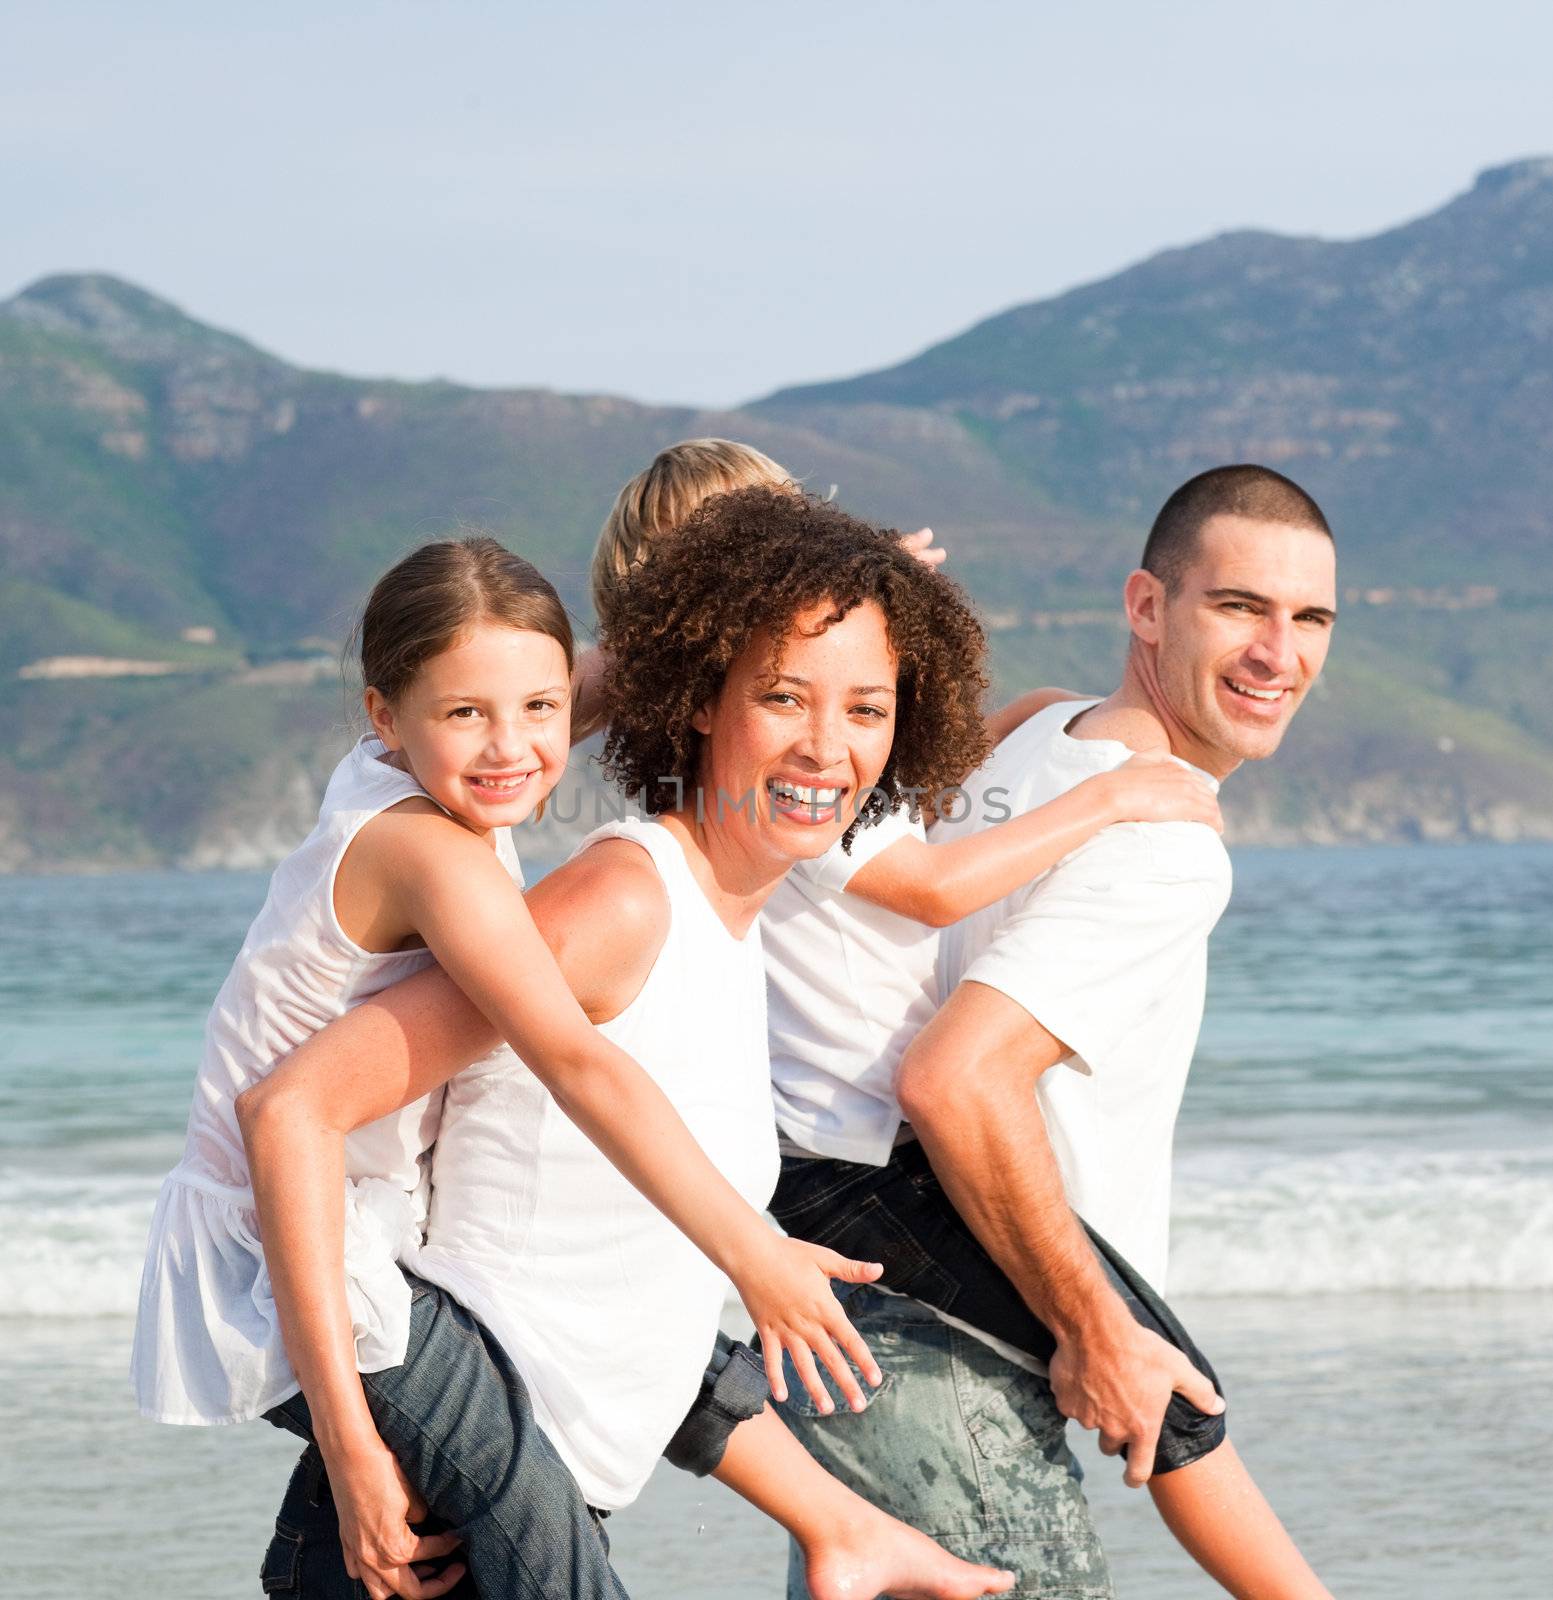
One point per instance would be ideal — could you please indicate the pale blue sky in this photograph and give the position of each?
(699, 202)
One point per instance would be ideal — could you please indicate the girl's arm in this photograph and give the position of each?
(939, 883)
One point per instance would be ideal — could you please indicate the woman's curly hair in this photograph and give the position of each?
(755, 560)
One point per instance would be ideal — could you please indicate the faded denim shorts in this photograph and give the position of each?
(900, 1215)
(963, 1445)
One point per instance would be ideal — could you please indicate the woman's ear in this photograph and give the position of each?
(381, 715)
(701, 720)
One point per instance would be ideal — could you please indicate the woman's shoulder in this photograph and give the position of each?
(605, 915)
(613, 883)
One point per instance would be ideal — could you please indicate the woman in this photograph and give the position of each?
(783, 701)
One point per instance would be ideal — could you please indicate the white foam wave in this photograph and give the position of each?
(1360, 1221)
(72, 1246)
(1246, 1224)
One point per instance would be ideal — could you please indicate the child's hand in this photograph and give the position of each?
(788, 1296)
(1154, 787)
(920, 544)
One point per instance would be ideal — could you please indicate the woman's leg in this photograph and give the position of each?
(850, 1548)
(900, 1215)
(456, 1415)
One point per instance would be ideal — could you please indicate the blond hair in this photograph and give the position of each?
(661, 499)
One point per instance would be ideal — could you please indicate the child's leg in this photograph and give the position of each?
(850, 1547)
(900, 1215)
(457, 1417)
(1224, 1522)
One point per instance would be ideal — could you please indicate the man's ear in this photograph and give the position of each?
(1144, 599)
(381, 715)
(701, 719)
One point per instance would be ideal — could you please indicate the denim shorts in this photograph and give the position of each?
(963, 1445)
(457, 1416)
(899, 1215)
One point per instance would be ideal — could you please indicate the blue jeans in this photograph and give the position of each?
(898, 1214)
(457, 1416)
(962, 1444)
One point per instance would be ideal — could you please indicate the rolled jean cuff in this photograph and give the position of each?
(733, 1390)
(1187, 1435)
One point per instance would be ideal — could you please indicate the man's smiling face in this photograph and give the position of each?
(1237, 645)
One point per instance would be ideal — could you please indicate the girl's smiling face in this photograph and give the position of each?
(485, 726)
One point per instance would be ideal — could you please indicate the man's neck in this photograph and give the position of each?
(1139, 716)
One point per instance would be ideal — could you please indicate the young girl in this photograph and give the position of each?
(850, 956)
(466, 654)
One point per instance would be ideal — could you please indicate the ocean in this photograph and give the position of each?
(1362, 1238)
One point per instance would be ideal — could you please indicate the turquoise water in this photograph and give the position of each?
(1364, 1180)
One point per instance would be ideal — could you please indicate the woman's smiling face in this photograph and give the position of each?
(793, 745)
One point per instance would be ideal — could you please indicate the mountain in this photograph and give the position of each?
(1406, 379)
(187, 522)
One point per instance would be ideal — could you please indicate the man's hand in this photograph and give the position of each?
(1117, 1379)
(377, 1504)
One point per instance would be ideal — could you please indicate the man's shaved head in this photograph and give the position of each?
(1257, 494)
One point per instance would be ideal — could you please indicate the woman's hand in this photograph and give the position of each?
(788, 1295)
(377, 1504)
(1155, 787)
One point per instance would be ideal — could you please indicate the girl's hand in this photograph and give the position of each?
(920, 544)
(1154, 787)
(377, 1504)
(788, 1296)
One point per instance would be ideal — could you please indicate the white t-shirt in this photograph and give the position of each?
(1108, 952)
(607, 1310)
(208, 1344)
(848, 985)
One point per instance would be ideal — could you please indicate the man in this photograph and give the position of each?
(1085, 987)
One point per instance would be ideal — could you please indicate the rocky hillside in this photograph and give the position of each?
(186, 523)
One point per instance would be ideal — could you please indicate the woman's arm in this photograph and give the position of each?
(299, 1191)
(939, 883)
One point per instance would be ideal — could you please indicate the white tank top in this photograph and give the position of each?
(607, 1310)
(207, 1340)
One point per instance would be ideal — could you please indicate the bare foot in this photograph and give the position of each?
(876, 1555)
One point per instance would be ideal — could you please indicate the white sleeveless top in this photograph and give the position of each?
(607, 1310)
(207, 1340)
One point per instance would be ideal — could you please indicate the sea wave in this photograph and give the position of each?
(1364, 1220)
(1255, 1224)
(73, 1245)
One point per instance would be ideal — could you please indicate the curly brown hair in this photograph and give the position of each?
(755, 560)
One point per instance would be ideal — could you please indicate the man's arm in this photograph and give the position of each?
(967, 1086)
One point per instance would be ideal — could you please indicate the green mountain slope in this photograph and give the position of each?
(174, 497)
(1406, 379)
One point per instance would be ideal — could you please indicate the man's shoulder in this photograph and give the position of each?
(1145, 860)
(1034, 764)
